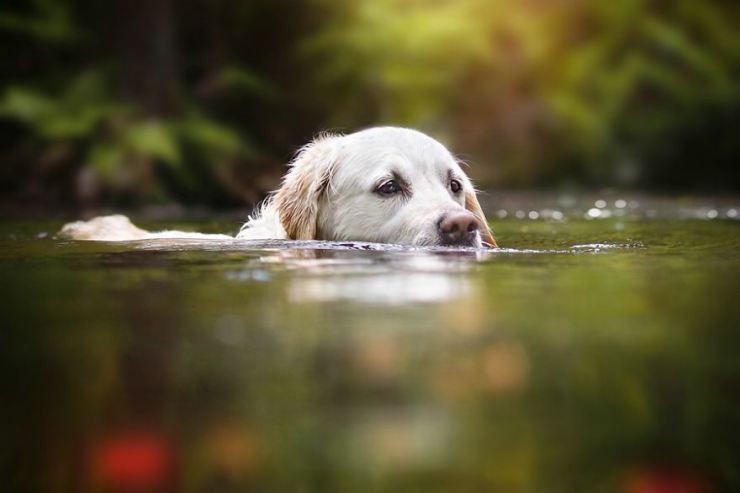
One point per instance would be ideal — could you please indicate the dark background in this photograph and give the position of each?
(133, 102)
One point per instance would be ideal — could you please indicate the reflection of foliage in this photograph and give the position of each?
(543, 372)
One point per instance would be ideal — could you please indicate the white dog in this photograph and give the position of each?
(385, 185)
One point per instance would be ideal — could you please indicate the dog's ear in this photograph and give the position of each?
(297, 199)
(472, 204)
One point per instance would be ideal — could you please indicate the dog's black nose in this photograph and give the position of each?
(458, 228)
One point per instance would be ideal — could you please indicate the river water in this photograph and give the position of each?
(598, 350)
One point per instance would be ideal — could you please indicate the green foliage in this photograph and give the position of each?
(599, 79)
(109, 136)
(154, 139)
(536, 93)
(238, 79)
(74, 113)
(408, 54)
(52, 22)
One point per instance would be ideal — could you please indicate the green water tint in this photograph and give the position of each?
(590, 356)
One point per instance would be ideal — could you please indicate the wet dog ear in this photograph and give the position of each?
(472, 204)
(297, 199)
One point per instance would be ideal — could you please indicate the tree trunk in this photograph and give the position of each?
(148, 55)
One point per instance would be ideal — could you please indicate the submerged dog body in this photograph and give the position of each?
(385, 184)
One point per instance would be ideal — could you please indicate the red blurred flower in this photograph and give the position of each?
(134, 461)
(665, 481)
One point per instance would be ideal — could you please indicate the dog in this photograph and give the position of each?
(383, 185)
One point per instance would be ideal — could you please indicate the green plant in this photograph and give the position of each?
(125, 149)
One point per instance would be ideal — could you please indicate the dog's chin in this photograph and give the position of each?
(436, 241)
(474, 243)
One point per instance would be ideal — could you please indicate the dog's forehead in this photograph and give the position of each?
(380, 147)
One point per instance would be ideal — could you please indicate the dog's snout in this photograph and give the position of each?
(458, 227)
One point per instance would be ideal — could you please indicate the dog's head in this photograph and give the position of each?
(386, 185)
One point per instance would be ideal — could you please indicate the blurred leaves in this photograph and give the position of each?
(237, 78)
(209, 134)
(533, 93)
(153, 139)
(52, 22)
(110, 135)
(74, 113)
(531, 83)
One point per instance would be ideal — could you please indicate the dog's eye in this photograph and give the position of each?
(455, 186)
(391, 187)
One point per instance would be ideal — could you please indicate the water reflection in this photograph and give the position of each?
(331, 271)
(414, 279)
(384, 289)
(398, 440)
(349, 367)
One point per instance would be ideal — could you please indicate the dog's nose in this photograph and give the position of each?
(458, 227)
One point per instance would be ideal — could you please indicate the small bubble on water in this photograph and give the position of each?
(42, 235)
(593, 213)
(712, 213)
(520, 214)
(620, 204)
(557, 215)
(600, 203)
(501, 213)
(533, 214)
(732, 213)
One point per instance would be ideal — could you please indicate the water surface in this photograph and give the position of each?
(597, 351)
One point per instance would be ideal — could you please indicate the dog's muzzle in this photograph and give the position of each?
(458, 228)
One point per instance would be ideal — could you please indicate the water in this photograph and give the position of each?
(598, 351)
